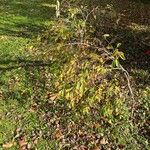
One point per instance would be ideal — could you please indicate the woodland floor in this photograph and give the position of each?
(25, 121)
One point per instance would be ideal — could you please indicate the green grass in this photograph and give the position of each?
(20, 22)
(27, 106)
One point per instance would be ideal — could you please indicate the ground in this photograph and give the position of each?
(21, 21)
(29, 116)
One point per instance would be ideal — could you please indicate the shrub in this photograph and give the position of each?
(87, 75)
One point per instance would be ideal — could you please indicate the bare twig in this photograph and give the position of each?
(89, 45)
(129, 86)
(86, 19)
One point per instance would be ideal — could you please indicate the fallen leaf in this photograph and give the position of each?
(58, 133)
(51, 96)
(106, 35)
(35, 141)
(33, 108)
(8, 145)
(22, 142)
(103, 141)
(121, 146)
(97, 125)
(29, 146)
(96, 148)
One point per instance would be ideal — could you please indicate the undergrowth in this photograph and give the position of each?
(91, 82)
(79, 94)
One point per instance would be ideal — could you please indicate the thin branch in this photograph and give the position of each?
(90, 13)
(88, 45)
(130, 89)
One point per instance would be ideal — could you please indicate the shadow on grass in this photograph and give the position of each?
(28, 76)
(26, 31)
(24, 18)
(132, 30)
(21, 63)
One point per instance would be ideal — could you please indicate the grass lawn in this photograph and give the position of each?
(29, 116)
(20, 22)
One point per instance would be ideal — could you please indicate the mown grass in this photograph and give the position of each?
(29, 115)
(20, 22)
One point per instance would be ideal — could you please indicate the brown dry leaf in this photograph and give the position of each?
(96, 148)
(51, 96)
(103, 141)
(97, 125)
(58, 133)
(35, 141)
(8, 145)
(29, 146)
(33, 108)
(22, 142)
(80, 132)
(121, 146)
(148, 122)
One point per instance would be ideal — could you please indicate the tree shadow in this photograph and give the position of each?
(24, 18)
(133, 47)
(25, 31)
(21, 63)
(132, 30)
(28, 73)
